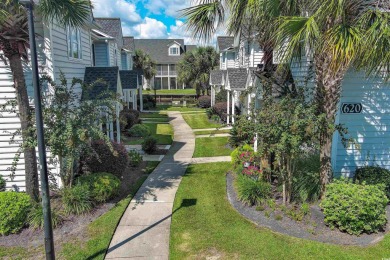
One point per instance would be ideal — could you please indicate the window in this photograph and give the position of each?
(174, 51)
(74, 43)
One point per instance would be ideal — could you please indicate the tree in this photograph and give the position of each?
(340, 34)
(195, 67)
(144, 62)
(14, 43)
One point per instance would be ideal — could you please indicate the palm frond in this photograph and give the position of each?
(73, 13)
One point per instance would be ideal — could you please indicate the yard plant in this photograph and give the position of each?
(102, 185)
(374, 175)
(14, 207)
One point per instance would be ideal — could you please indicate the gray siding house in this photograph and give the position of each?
(167, 53)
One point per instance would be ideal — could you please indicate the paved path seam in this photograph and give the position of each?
(211, 129)
(144, 228)
(213, 135)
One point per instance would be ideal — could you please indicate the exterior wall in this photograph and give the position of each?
(370, 128)
(101, 54)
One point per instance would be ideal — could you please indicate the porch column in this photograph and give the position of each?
(233, 106)
(228, 107)
(135, 100)
(141, 101)
(118, 126)
(212, 95)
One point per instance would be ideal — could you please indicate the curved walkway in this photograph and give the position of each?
(143, 231)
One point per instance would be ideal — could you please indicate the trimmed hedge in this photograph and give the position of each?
(220, 109)
(355, 208)
(374, 175)
(103, 186)
(149, 145)
(128, 118)
(139, 130)
(14, 207)
(105, 160)
(204, 101)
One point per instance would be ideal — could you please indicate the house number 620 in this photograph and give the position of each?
(351, 108)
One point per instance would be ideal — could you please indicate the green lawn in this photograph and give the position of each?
(212, 228)
(199, 121)
(161, 119)
(153, 115)
(211, 146)
(189, 91)
(162, 132)
(165, 108)
(212, 132)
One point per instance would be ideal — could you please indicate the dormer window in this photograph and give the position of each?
(174, 51)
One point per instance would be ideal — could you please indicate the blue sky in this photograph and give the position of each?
(146, 18)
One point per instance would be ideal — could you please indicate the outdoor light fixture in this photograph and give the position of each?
(48, 229)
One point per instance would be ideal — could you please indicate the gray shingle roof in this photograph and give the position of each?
(237, 78)
(225, 42)
(129, 79)
(109, 81)
(216, 77)
(158, 49)
(128, 43)
(112, 27)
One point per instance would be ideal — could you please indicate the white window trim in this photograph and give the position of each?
(172, 54)
(70, 44)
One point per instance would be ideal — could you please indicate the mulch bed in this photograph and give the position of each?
(313, 228)
(74, 227)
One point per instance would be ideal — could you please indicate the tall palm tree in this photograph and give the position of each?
(340, 34)
(14, 43)
(144, 62)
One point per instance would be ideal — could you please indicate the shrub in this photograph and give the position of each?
(243, 132)
(148, 102)
(251, 191)
(134, 158)
(355, 208)
(374, 175)
(103, 186)
(139, 131)
(306, 184)
(14, 207)
(237, 155)
(252, 171)
(77, 200)
(105, 160)
(35, 217)
(149, 145)
(2, 183)
(128, 118)
(221, 96)
(204, 101)
(220, 109)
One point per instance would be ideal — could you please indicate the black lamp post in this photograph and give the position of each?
(48, 229)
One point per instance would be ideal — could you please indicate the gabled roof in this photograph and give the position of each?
(129, 79)
(108, 81)
(216, 77)
(112, 27)
(237, 78)
(128, 43)
(224, 42)
(158, 49)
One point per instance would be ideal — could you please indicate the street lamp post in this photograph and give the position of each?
(48, 229)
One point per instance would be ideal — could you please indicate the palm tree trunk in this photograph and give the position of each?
(327, 97)
(30, 159)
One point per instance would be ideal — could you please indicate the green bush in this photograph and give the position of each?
(306, 184)
(149, 145)
(14, 207)
(2, 183)
(251, 191)
(374, 175)
(128, 118)
(243, 132)
(103, 186)
(237, 160)
(134, 158)
(355, 208)
(35, 217)
(221, 96)
(139, 130)
(106, 160)
(77, 200)
(204, 101)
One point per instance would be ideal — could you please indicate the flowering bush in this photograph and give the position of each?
(247, 156)
(252, 171)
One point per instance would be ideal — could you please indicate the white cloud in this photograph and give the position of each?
(150, 28)
(167, 7)
(116, 8)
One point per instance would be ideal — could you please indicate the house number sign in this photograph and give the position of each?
(351, 108)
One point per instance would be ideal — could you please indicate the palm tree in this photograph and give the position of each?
(14, 43)
(144, 62)
(194, 69)
(340, 34)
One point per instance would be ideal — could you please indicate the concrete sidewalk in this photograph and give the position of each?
(211, 159)
(143, 231)
(211, 129)
(213, 135)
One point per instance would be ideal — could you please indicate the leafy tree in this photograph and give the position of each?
(195, 67)
(14, 43)
(69, 128)
(340, 34)
(144, 62)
